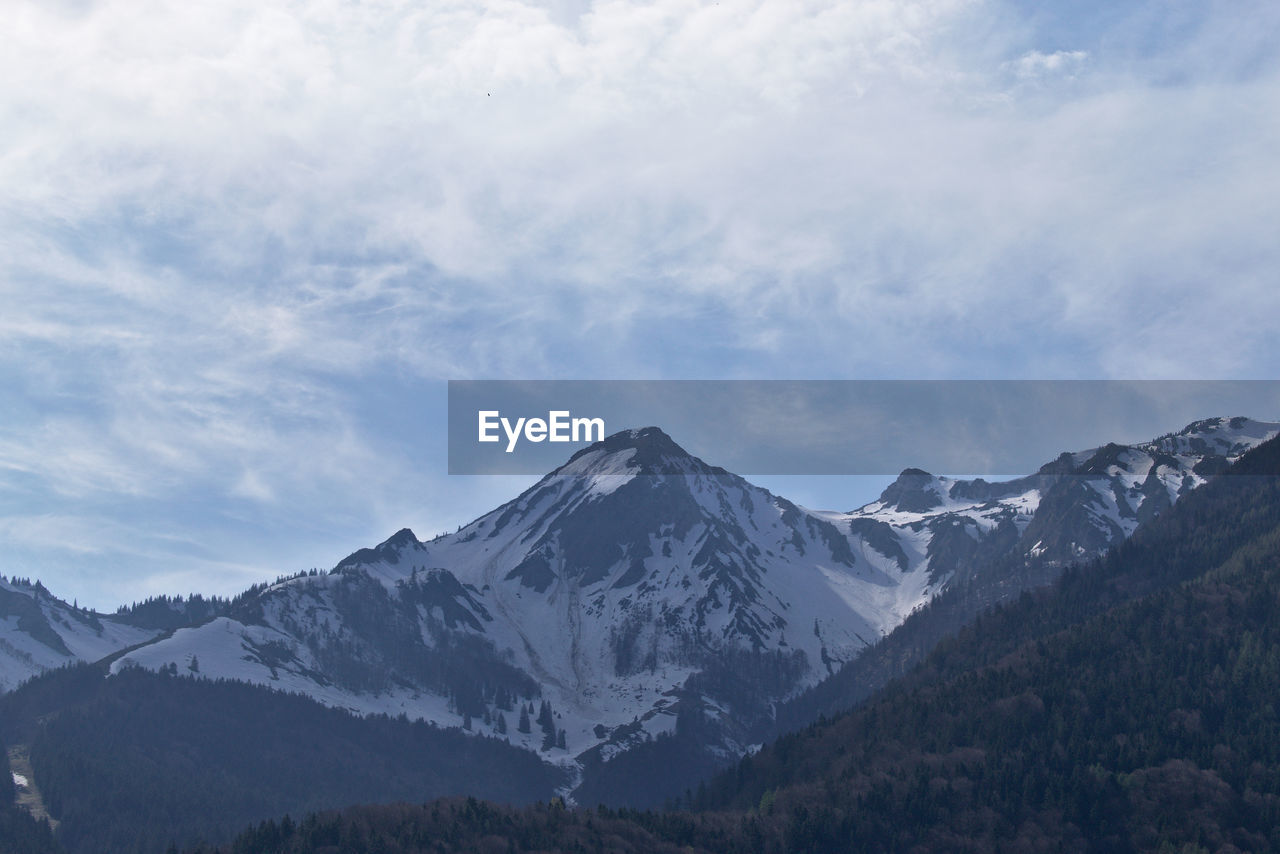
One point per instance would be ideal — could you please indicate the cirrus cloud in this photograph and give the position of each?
(244, 242)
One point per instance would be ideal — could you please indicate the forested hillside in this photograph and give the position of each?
(138, 761)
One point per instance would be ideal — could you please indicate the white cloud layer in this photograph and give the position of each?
(243, 241)
(1034, 64)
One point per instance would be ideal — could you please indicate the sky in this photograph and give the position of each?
(244, 244)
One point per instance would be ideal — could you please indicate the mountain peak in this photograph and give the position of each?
(914, 491)
(646, 451)
(401, 538)
(387, 552)
(644, 437)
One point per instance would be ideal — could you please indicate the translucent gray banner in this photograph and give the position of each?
(858, 427)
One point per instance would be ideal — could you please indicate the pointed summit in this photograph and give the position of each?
(650, 440)
(388, 551)
(915, 491)
(644, 451)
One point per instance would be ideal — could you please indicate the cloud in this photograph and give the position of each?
(1034, 64)
(380, 176)
(244, 242)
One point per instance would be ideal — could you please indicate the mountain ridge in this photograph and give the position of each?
(1127, 707)
(638, 604)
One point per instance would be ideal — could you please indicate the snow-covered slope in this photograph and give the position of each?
(39, 632)
(636, 586)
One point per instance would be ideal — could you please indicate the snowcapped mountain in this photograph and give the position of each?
(602, 590)
(40, 632)
(637, 588)
(1078, 505)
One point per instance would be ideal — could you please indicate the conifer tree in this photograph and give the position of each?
(545, 719)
